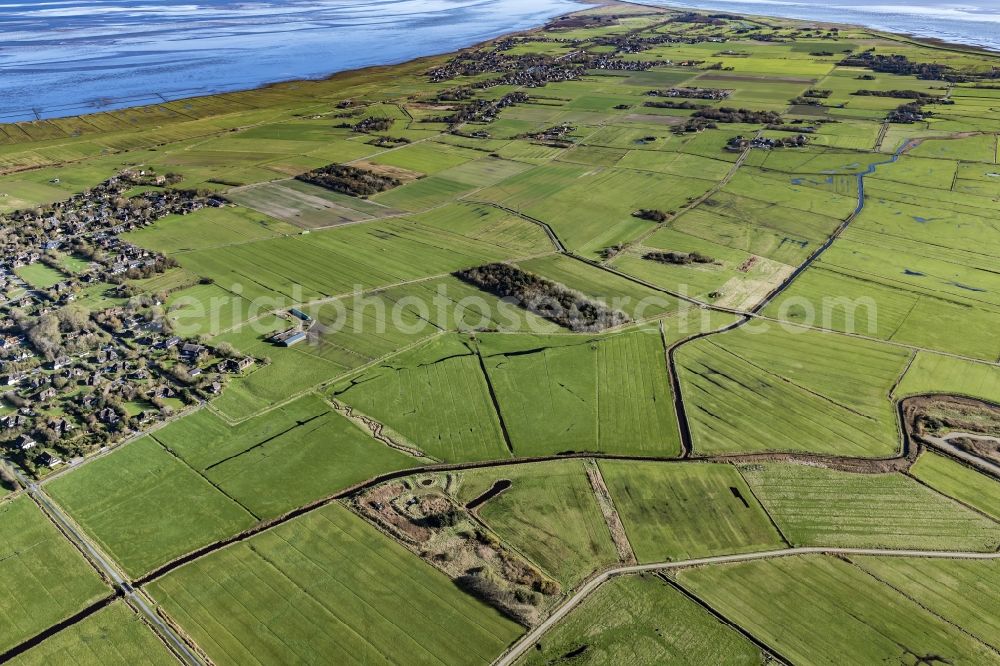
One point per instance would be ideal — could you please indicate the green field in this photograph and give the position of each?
(301, 452)
(796, 221)
(550, 514)
(643, 620)
(40, 276)
(934, 373)
(767, 389)
(328, 584)
(120, 500)
(820, 507)
(209, 228)
(457, 423)
(112, 636)
(577, 393)
(954, 479)
(683, 511)
(44, 578)
(963, 593)
(819, 610)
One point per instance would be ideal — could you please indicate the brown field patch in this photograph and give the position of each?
(396, 172)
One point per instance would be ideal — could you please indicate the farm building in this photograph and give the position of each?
(289, 338)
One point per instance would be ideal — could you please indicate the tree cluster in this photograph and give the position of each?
(727, 114)
(908, 114)
(551, 300)
(692, 93)
(350, 180)
(678, 258)
(651, 214)
(667, 104)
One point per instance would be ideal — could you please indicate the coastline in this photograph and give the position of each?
(426, 59)
(35, 110)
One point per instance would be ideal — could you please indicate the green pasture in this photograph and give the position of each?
(44, 577)
(114, 636)
(955, 479)
(583, 393)
(328, 584)
(121, 500)
(681, 511)
(642, 619)
(771, 388)
(822, 507)
(550, 514)
(821, 610)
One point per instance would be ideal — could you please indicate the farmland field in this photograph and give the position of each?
(114, 636)
(819, 610)
(956, 480)
(459, 423)
(792, 399)
(642, 620)
(574, 393)
(119, 500)
(815, 506)
(303, 452)
(43, 577)
(464, 360)
(328, 584)
(550, 514)
(682, 511)
(963, 593)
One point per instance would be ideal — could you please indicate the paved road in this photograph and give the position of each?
(136, 598)
(977, 462)
(528, 640)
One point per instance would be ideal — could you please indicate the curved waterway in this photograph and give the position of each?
(870, 171)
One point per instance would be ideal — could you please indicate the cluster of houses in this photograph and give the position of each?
(71, 380)
(555, 135)
(89, 225)
(740, 143)
(637, 43)
(478, 110)
(530, 70)
(138, 376)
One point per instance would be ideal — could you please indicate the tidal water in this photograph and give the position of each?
(974, 22)
(65, 57)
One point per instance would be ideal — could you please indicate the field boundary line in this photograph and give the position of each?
(110, 571)
(202, 475)
(694, 598)
(930, 611)
(494, 400)
(613, 519)
(515, 651)
(753, 493)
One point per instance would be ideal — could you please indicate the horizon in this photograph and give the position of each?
(225, 51)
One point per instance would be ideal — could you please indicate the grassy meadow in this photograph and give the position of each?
(44, 578)
(780, 301)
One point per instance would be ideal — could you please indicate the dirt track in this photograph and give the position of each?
(520, 647)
